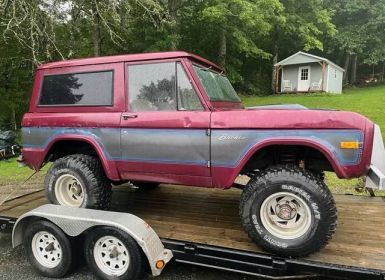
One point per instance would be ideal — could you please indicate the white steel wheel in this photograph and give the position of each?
(46, 249)
(69, 191)
(285, 215)
(111, 256)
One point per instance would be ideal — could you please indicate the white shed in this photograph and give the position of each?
(304, 72)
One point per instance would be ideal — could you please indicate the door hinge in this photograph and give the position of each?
(208, 132)
(208, 163)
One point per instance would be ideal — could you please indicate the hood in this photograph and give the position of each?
(281, 117)
(279, 107)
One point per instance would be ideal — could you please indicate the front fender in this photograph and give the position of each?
(232, 149)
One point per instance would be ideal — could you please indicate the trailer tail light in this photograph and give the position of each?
(353, 145)
(159, 264)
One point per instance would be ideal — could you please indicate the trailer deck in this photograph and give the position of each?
(202, 227)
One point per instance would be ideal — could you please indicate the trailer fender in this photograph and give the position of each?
(74, 221)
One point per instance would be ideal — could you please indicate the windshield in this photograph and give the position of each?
(217, 86)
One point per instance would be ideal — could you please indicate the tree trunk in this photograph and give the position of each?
(353, 78)
(13, 116)
(222, 47)
(274, 61)
(383, 71)
(346, 68)
(96, 32)
(172, 7)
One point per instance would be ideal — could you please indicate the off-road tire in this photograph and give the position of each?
(65, 264)
(303, 184)
(89, 171)
(136, 257)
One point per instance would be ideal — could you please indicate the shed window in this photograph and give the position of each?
(305, 74)
(81, 89)
(335, 73)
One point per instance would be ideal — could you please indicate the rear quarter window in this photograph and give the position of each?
(77, 89)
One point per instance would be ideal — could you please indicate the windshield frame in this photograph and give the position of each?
(235, 99)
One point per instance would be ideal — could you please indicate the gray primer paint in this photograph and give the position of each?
(229, 146)
(187, 146)
(192, 146)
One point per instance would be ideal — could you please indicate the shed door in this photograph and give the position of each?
(304, 78)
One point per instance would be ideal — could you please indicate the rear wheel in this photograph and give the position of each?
(113, 254)
(78, 181)
(288, 211)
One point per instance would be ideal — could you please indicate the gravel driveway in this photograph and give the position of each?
(13, 266)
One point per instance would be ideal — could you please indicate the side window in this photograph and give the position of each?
(81, 89)
(161, 87)
(151, 87)
(187, 97)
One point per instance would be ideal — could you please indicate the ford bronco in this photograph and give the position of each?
(175, 118)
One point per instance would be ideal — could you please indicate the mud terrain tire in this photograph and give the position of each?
(94, 188)
(288, 211)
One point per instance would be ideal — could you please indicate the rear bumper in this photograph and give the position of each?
(375, 178)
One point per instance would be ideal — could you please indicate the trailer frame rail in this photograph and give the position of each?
(259, 264)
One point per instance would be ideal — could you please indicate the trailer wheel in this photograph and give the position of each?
(48, 249)
(113, 254)
(78, 181)
(288, 211)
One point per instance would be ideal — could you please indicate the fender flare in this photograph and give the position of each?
(338, 169)
(109, 167)
(75, 221)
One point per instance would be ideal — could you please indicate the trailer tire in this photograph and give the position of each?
(48, 249)
(78, 181)
(113, 254)
(288, 211)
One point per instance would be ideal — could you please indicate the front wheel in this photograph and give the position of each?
(113, 254)
(288, 211)
(48, 249)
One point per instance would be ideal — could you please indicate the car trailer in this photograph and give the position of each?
(201, 227)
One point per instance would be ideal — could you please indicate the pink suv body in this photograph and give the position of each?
(174, 118)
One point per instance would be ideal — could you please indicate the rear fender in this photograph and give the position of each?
(40, 155)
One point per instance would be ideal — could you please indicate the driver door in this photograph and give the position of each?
(164, 129)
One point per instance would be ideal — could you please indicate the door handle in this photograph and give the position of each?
(126, 116)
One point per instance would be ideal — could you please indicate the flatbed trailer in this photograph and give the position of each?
(202, 227)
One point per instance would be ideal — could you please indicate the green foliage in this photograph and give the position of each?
(246, 37)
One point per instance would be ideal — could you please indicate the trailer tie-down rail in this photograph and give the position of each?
(263, 264)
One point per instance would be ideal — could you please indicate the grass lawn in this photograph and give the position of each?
(11, 172)
(12, 178)
(369, 102)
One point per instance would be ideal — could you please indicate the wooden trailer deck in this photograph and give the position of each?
(210, 216)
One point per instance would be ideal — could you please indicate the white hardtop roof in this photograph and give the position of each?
(316, 58)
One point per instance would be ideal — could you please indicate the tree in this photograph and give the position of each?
(302, 26)
(352, 19)
(240, 23)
